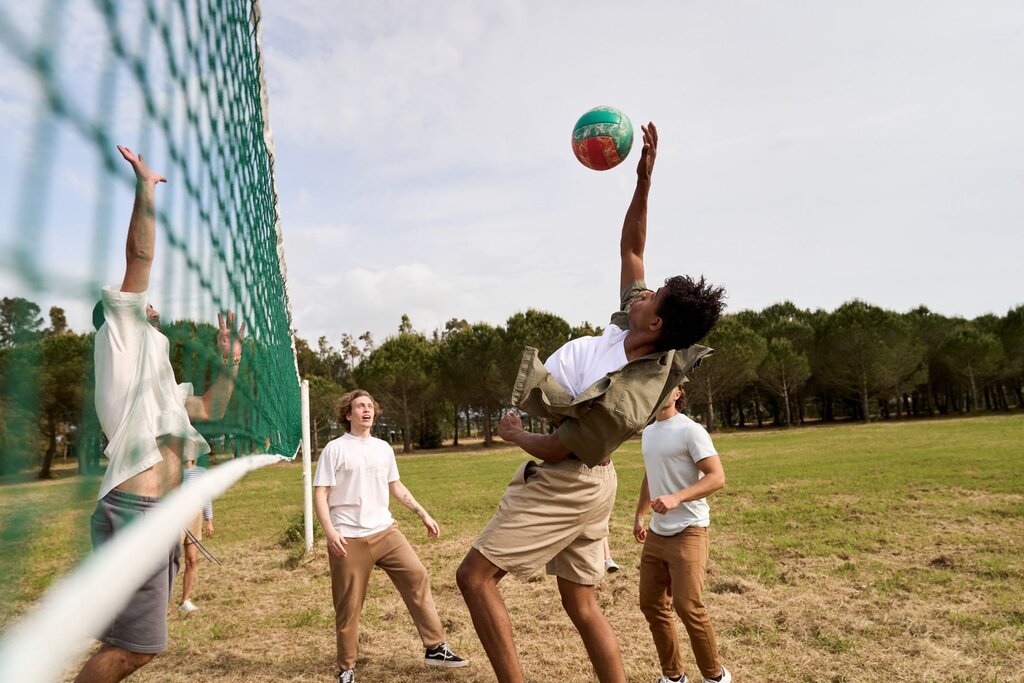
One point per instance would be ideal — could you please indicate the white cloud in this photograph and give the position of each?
(810, 151)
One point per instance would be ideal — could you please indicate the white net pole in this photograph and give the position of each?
(42, 645)
(307, 468)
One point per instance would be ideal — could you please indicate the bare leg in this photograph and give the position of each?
(580, 603)
(110, 664)
(478, 580)
(188, 578)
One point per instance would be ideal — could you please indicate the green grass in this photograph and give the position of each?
(835, 550)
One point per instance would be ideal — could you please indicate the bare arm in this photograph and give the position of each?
(634, 226)
(642, 503)
(547, 447)
(713, 480)
(139, 246)
(404, 496)
(213, 404)
(335, 541)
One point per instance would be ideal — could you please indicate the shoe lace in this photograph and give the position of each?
(443, 650)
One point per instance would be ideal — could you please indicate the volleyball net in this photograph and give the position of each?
(182, 82)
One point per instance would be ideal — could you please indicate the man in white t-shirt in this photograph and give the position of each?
(598, 392)
(682, 469)
(147, 419)
(354, 475)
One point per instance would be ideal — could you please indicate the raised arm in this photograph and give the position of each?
(213, 404)
(138, 249)
(634, 226)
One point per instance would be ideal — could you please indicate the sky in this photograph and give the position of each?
(811, 152)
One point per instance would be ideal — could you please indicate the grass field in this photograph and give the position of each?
(883, 552)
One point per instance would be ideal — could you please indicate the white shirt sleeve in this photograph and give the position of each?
(125, 315)
(325, 467)
(699, 443)
(184, 391)
(393, 467)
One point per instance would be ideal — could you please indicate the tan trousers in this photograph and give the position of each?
(350, 577)
(672, 570)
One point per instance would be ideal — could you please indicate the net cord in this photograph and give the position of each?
(44, 643)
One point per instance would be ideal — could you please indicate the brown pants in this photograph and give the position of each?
(350, 577)
(672, 570)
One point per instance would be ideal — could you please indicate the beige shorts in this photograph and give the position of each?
(196, 527)
(553, 515)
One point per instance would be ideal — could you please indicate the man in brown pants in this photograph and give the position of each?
(682, 469)
(354, 475)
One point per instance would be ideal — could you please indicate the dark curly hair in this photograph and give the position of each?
(689, 310)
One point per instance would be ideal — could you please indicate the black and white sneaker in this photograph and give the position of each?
(440, 655)
(347, 676)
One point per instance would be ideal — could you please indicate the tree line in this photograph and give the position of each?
(47, 388)
(778, 367)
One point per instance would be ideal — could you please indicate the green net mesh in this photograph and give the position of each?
(181, 82)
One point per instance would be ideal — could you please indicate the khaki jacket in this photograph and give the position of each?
(612, 409)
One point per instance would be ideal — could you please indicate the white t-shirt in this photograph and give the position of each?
(671, 450)
(579, 363)
(358, 471)
(137, 398)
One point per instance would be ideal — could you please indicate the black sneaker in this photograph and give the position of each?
(347, 676)
(440, 655)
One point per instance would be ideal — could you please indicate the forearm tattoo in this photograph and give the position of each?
(411, 503)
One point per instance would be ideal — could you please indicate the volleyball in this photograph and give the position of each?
(602, 138)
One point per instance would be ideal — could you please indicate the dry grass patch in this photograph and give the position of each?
(856, 553)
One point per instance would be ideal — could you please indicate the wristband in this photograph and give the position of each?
(237, 360)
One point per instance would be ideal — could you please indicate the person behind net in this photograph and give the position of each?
(598, 391)
(200, 527)
(681, 468)
(354, 475)
(147, 418)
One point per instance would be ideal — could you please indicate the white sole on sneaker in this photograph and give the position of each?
(446, 663)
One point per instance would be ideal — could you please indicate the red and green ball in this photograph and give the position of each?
(602, 138)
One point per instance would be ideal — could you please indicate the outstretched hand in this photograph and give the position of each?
(143, 173)
(645, 166)
(229, 340)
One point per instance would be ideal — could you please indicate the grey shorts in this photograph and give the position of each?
(142, 625)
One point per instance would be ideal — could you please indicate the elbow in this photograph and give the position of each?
(139, 254)
(721, 482)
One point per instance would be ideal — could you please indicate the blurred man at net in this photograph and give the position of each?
(598, 391)
(147, 419)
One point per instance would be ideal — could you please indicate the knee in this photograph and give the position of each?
(651, 609)
(689, 609)
(421, 578)
(133, 661)
(473, 577)
(580, 605)
(191, 563)
(467, 578)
